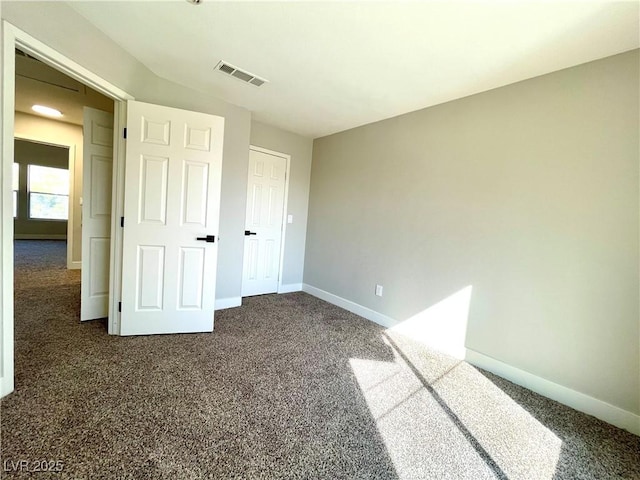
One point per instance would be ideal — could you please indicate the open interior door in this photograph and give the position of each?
(96, 212)
(171, 215)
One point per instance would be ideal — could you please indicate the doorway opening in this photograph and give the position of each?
(14, 38)
(55, 162)
(41, 187)
(39, 85)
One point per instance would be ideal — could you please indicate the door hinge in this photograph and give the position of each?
(124, 133)
(119, 306)
(122, 222)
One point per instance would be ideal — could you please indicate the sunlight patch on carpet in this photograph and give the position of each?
(460, 423)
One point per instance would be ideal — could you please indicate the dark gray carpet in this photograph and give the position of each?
(287, 386)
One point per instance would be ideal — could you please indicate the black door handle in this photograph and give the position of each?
(208, 238)
(247, 233)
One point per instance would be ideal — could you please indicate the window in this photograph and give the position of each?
(48, 193)
(15, 187)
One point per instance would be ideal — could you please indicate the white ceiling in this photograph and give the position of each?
(336, 65)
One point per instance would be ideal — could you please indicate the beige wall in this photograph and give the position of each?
(528, 193)
(40, 129)
(52, 22)
(27, 153)
(299, 148)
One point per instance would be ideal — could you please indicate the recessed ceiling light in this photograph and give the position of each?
(48, 111)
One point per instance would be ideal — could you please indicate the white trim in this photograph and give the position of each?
(353, 307)
(232, 302)
(72, 192)
(51, 57)
(74, 266)
(41, 236)
(7, 102)
(285, 206)
(117, 211)
(572, 398)
(290, 287)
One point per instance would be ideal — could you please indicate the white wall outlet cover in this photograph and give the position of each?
(289, 218)
(379, 290)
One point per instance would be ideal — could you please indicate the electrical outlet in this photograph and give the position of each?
(378, 290)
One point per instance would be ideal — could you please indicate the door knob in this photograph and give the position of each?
(247, 233)
(208, 238)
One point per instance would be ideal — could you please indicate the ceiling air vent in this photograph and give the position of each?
(246, 77)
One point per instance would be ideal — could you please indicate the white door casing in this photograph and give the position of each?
(172, 198)
(7, 45)
(96, 213)
(263, 225)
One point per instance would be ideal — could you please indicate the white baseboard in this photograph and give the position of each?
(222, 303)
(39, 236)
(572, 398)
(76, 265)
(289, 288)
(353, 307)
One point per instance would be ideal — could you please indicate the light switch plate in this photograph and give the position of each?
(289, 218)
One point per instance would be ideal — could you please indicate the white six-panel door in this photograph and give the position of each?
(96, 213)
(172, 198)
(263, 225)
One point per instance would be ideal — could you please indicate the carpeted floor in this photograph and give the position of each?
(287, 386)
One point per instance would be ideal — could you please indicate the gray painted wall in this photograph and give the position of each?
(299, 148)
(528, 193)
(26, 153)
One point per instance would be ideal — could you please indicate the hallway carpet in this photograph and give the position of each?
(287, 386)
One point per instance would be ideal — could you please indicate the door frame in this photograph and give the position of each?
(287, 175)
(71, 147)
(13, 37)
